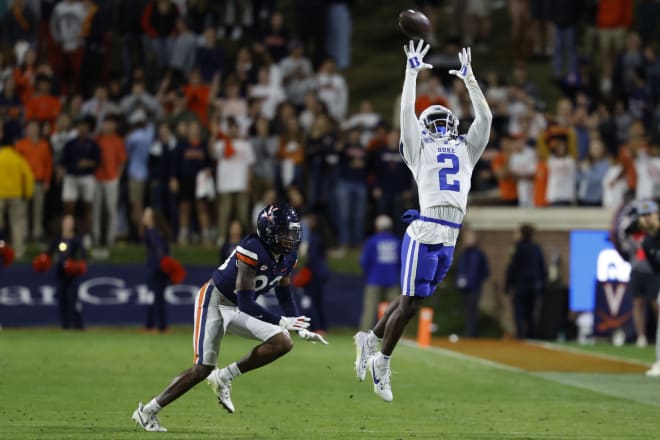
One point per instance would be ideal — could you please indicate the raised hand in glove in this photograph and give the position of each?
(416, 55)
(465, 57)
(294, 323)
(312, 337)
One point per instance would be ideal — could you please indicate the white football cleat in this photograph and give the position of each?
(654, 371)
(363, 351)
(381, 379)
(148, 421)
(222, 389)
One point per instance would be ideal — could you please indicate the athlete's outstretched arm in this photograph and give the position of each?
(479, 132)
(410, 136)
(245, 285)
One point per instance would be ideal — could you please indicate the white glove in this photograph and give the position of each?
(416, 56)
(294, 323)
(312, 337)
(465, 57)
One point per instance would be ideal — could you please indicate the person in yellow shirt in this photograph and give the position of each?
(16, 186)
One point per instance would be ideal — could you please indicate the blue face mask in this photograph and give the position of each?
(437, 129)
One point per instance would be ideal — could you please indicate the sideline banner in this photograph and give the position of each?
(117, 294)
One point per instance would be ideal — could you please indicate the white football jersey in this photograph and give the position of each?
(443, 167)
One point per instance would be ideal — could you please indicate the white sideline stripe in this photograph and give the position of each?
(536, 374)
(610, 357)
(456, 355)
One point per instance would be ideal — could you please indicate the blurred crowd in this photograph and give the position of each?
(204, 110)
(598, 142)
(207, 111)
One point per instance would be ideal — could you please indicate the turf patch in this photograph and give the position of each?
(532, 357)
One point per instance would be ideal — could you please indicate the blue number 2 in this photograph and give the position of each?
(455, 185)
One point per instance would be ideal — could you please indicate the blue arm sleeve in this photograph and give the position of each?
(285, 298)
(247, 304)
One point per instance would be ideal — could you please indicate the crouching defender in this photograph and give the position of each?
(441, 162)
(226, 304)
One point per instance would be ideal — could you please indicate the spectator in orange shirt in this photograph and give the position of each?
(24, 75)
(505, 181)
(38, 155)
(541, 184)
(198, 94)
(613, 19)
(113, 158)
(43, 106)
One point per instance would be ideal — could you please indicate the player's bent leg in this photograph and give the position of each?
(146, 415)
(220, 380)
(265, 353)
(379, 328)
(379, 364)
(396, 324)
(366, 344)
(182, 383)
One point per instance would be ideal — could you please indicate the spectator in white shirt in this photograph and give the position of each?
(332, 89)
(615, 185)
(66, 28)
(522, 165)
(271, 92)
(99, 106)
(562, 174)
(297, 74)
(233, 178)
(365, 120)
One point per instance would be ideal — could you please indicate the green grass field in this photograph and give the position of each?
(69, 385)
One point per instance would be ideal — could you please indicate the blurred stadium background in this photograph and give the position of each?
(205, 111)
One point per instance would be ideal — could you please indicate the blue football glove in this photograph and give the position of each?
(416, 55)
(465, 57)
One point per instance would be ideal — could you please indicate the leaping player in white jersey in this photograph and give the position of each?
(441, 162)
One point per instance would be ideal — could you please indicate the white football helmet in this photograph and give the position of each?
(439, 122)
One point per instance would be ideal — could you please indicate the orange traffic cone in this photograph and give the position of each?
(424, 327)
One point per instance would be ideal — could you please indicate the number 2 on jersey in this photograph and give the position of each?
(448, 171)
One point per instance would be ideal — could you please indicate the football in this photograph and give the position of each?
(414, 24)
